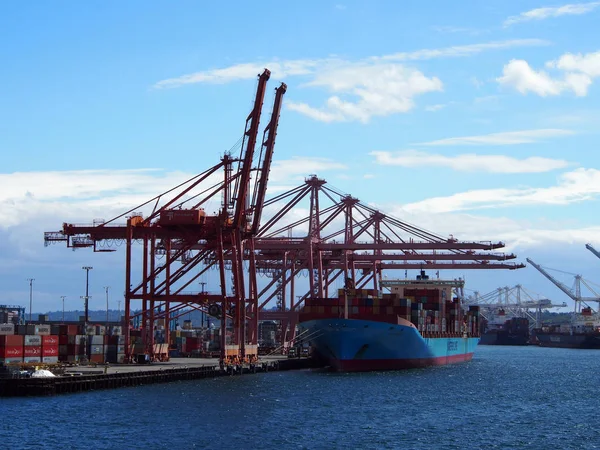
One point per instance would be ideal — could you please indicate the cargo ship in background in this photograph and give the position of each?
(418, 324)
(498, 329)
(582, 332)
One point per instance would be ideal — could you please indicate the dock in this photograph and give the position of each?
(90, 378)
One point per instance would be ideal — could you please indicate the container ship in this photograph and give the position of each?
(418, 324)
(501, 330)
(582, 332)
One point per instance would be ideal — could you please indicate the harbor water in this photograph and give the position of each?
(506, 398)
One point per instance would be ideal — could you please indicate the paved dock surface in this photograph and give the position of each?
(174, 363)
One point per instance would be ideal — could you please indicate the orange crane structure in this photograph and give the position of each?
(339, 238)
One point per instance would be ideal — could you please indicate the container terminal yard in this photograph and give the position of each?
(171, 241)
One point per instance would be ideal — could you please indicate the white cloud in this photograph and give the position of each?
(108, 193)
(588, 64)
(375, 86)
(243, 71)
(433, 108)
(575, 186)
(548, 12)
(520, 76)
(517, 234)
(380, 90)
(469, 162)
(462, 50)
(506, 138)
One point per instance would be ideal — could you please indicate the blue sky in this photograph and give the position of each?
(479, 121)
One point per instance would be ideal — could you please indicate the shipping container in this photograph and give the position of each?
(50, 359)
(6, 361)
(69, 329)
(42, 330)
(97, 358)
(49, 340)
(96, 349)
(11, 340)
(96, 339)
(32, 341)
(32, 351)
(7, 328)
(50, 350)
(32, 359)
(11, 351)
(25, 329)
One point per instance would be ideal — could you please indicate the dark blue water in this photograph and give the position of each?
(506, 398)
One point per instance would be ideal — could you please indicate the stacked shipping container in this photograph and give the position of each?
(427, 309)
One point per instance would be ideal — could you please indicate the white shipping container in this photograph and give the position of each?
(96, 340)
(10, 360)
(100, 330)
(80, 339)
(50, 359)
(42, 330)
(32, 359)
(6, 329)
(33, 341)
(90, 330)
(116, 330)
(96, 349)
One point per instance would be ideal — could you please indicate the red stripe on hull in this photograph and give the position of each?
(367, 365)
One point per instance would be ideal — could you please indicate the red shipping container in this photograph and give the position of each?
(50, 350)
(69, 330)
(97, 358)
(49, 340)
(11, 351)
(63, 339)
(11, 340)
(33, 351)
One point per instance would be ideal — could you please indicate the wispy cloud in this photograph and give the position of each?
(243, 71)
(374, 86)
(506, 138)
(549, 12)
(462, 50)
(433, 108)
(578, 73)
(575, 186)
(469, 162)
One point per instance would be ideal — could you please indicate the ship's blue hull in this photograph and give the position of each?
(352, 345)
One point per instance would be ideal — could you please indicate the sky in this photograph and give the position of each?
(479, 121)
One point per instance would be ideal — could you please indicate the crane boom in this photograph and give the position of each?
(250, 134)
(268, 145)
(557, 283)
(593, 250)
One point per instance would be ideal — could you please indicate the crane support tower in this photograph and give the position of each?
(340, 239)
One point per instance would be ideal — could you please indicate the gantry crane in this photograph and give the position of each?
(340, 239)
(516, 300)
(574, 294)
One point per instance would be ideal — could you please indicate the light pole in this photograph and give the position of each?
(87, 297)
(63, 300)
(106, 288)
(31, 280)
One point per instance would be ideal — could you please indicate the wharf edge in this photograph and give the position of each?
(25, 387)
